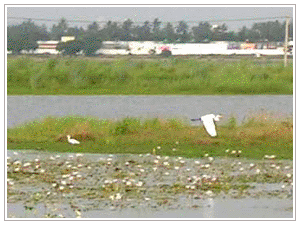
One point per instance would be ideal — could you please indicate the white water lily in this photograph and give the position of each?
(139, 184)
(118, 196)
(209, 192)
(63, 182)
(27, 165)
(17, 162)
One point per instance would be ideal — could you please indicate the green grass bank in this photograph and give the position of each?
(256, 137)
(129, 76)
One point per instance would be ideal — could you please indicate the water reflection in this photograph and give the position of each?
(209, 208)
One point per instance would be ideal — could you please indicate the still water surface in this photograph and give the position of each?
(22, 109)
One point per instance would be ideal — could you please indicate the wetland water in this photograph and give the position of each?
(22, 109)
(55, 185)
(64, 185)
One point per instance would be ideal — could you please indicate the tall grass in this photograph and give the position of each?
(165, 76)
(256, 136)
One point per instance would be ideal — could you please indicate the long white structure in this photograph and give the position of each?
(156, 48)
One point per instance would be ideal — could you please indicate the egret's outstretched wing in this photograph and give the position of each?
(210, 126)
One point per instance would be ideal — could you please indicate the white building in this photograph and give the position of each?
(49, 47)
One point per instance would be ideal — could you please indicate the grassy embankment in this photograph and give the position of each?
(256, 137)
(72, 76)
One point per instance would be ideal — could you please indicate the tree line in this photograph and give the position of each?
(25, 35)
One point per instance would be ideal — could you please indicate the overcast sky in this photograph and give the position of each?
(141, 14)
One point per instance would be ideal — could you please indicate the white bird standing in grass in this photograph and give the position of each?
(72, 141)
(209, 123)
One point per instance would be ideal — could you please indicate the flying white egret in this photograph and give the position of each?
(72, 141)
(209, 123)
